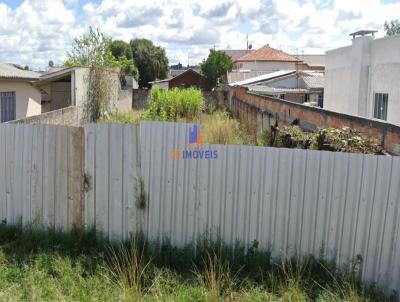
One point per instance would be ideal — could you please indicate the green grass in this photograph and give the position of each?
(47, 265)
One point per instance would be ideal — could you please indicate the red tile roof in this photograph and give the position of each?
(267, 53)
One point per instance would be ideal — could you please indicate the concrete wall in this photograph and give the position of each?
(261, 112)
(266, 66)
(69, 116)
(28, 97)
(124, 102)
(354, 73)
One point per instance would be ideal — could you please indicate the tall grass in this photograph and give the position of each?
(128, 117)
(175, 104)
(49, 265)
(220, 128)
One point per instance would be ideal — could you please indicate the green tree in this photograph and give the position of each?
(150, 60)
(392, 27)
(121, 48)
(216, 66)
(92, 50)
(123, 53)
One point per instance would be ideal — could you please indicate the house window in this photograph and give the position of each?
(7, 106)
(380, 105)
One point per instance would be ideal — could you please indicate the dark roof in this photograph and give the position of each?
(267, 53)
(11, 71)
(178, 76)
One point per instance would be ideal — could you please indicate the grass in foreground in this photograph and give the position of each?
(49, 265)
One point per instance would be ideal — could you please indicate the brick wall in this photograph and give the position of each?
(260, 112)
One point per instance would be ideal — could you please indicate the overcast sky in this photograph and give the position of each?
(33, 32)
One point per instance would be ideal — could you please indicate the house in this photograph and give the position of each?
(363, 78)
(64, 87)
(291, 85)
(266, 59)
(188, 78)
(24, 93)
(18, 96)
(253, 63)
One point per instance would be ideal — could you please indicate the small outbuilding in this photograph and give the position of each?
(188, 78)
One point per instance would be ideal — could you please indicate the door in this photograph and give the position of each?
(7, 106)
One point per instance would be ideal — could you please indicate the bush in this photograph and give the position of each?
(338, 140)
(175, 104)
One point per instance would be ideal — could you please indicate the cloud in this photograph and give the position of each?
(344, 15)
(36, 31)
(218, 11)
(140, 17)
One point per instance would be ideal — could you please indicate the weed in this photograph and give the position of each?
(175, 104)
(48, 265)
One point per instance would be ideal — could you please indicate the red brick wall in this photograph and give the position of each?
(260, 112)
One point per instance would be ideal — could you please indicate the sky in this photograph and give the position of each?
(32, 32)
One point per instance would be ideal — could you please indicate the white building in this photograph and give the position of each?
(19, 98)
(364, 78)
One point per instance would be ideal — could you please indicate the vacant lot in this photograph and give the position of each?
(49, 266)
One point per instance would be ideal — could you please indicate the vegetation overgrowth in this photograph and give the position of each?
(175, 104)
(342, 139)
(48, 265)
(219, 127)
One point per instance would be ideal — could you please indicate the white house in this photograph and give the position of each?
(19, 98)
(364, 78)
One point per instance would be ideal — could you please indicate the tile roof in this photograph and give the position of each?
(267, 53)
(10, 71)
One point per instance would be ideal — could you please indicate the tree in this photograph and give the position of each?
(123, 53)
(92, 50)
(216, 66)
(121, 48)
(150, 60)
(392, 28)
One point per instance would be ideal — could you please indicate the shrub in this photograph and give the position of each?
(174, 104)
(339, 140)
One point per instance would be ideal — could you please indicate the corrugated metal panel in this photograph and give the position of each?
(293, 201)
(40, 175)
(112, 176)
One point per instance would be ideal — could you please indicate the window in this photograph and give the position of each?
(7, 106)
(321, 100)
(380, 105)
